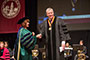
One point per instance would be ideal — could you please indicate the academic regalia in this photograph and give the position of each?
(84, 50)
(53, 36)
(27, 42)
(4, 54)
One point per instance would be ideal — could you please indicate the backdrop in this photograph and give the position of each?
(10, 12)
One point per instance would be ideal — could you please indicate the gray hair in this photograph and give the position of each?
(48, 9)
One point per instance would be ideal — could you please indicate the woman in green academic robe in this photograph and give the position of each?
(26, 41)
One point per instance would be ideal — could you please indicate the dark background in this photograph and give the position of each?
(36, 8)
(64, 7)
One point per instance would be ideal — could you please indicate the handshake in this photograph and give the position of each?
(38, 35)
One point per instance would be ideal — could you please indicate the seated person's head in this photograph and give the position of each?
(67, 44)
(81, 42)
(6, 44)
(1, 44)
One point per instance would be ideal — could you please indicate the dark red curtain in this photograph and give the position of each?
(10, 12)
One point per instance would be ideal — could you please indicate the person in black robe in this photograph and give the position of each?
(54, 31)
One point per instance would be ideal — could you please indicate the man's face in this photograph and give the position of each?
(50, 14)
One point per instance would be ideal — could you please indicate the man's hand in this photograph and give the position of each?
(63, 45)
(39, 36)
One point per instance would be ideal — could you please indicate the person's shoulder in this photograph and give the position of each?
(24, 31)
(6, 50)
(58, 19)
(84, 46)
(43, 23)
(21, 28)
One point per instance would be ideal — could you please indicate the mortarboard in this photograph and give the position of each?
(22, 20)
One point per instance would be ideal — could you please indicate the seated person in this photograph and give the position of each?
(68, 52)
(4, 53)
(84, 47)
(10, 51)
(81, 54)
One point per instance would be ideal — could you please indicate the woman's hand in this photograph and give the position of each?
(33, 33)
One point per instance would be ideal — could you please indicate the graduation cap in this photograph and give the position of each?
(22, 20)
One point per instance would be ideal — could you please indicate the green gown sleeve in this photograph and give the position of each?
(27, 40)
